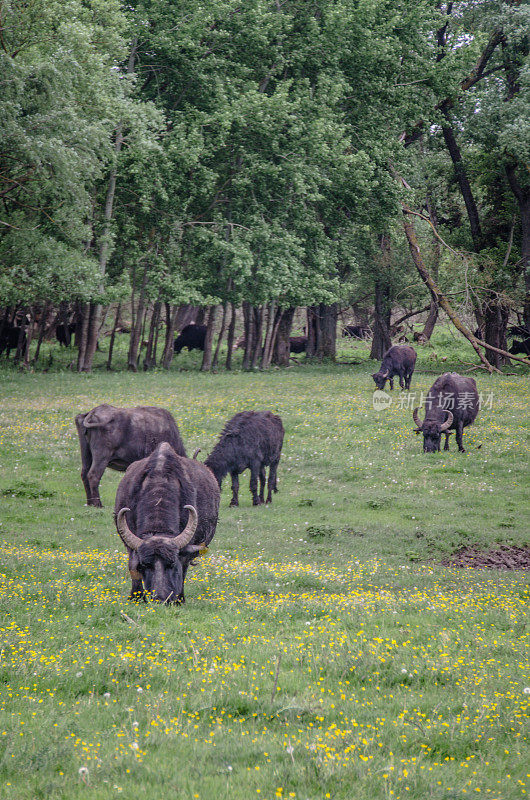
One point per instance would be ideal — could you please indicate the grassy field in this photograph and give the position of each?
(323, 651)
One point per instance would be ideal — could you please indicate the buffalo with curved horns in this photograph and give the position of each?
(115, 437)
(157, 495)
(451, 405)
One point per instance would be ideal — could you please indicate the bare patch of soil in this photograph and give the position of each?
(504, 557)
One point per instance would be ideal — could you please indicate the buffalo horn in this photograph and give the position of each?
(128, 537)
(186, 536)
(416, 418)
(448, 422)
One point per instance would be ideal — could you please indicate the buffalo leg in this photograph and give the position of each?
(391, 382)
(235, 489)
(272, 486)
(446, 445)
(254, 472)
(401, 381)
(262, 480)
(408, 378)
(86, 455)
(93, 477)
(459, 432)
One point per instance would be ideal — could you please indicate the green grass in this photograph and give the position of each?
(397, 678)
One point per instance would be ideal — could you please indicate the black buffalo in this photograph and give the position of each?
(157, 495)
(192, 337)
(9, 339)
(356, 331)
(451, 405)
(250, 440)
(115, 437)
(63, 333)
(519, 330)
(297, 344)
(399, 360)
(520, 347)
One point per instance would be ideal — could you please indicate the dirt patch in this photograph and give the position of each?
(501, 558)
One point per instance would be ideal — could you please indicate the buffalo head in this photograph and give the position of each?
(380, 378)
(432, 430)
(161, 561)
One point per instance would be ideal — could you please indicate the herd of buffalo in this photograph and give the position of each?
(167, 504)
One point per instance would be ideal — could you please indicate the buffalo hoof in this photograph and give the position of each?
(233, 503)
(258, 502)
(95, 503)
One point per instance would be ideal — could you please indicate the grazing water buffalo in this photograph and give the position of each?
(400, 360)
(356, 331)
(452, 404)
(192, 337)
(520, 347)
(152, 504)
(250, 440)
(115, 437)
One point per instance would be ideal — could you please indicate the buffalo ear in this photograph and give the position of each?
(99, 416)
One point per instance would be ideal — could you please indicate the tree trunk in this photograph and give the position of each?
(230, 338)
(382, 312)
(258, 327)
(463, 182)
(82, 335)
(496, 322)
(431, 320)
(21, 346)
(150, 353)
(523, 200)
(201, 316)
(42, 330)
(282, 347)
(113, 336)
(270, 333)
(220, 337)
(136, 331)
(313, 332)
(327, 320)
(169, 345)
(249, 333)
(29, 336)
(210, 328)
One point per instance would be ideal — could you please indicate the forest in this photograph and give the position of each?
(166, 163)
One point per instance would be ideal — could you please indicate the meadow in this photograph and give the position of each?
(323, 652)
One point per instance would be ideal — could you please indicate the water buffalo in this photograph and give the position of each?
(9, 338)
(400, 360)
(151, 507)
(115, 437)
(451, 405)
(250, 440)
(520, 347)
(518, 330)
(356, 331)
(192, 337)
(297, 344)
(63, 333)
